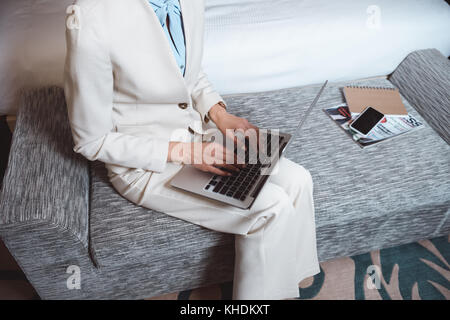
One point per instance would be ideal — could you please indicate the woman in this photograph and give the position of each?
(133, 79)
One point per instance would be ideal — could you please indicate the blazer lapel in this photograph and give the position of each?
(187, 23)
(164, 42)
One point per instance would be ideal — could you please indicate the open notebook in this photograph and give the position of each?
(385, 100)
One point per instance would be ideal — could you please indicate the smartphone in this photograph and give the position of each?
(366, 121)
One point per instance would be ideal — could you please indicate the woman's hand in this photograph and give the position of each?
(205, 156)
(228, 124)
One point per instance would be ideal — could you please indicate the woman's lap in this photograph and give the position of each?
(153, 191)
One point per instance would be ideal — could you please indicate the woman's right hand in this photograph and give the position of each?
(205, 156)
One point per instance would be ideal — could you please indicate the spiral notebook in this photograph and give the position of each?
(385, 100)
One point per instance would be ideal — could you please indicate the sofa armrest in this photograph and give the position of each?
(45, 194)
(424, 80)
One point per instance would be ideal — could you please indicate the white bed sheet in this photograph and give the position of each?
(250, 45)
(257, 45)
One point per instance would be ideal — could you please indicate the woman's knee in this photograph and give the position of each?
(272, 199)
(304, 176)
(290, 171)
(298, 178)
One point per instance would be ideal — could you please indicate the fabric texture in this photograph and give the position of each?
(170, 10)
(5, 144)
(402, 196)
(424, 80)
(40, 149)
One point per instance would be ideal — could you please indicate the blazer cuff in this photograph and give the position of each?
(205, 102)
(158, 156)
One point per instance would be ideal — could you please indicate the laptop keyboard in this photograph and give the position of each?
(239, 184)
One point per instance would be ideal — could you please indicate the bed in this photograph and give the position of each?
(250, 45)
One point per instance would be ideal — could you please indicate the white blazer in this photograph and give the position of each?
(125, 93)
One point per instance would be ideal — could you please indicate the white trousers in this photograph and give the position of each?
(275, 240)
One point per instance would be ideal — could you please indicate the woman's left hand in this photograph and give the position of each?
(228, 124)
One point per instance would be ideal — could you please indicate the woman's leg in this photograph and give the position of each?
(265, 265)
(267, 234)
(298, 184)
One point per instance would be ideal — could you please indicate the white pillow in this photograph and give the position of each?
(258, 45)
(32, 47)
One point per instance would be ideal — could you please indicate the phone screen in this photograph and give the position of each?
(367, 120)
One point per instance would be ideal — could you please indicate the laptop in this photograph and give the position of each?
(241, 188)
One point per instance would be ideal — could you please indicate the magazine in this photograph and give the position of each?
(389, 127)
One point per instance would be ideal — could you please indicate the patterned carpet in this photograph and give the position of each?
(414, 271)
(410, 272)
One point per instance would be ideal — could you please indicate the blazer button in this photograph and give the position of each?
(182, 105)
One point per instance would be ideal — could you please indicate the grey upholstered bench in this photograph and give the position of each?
(59, 210)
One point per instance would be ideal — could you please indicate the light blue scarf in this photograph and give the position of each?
(172, 10)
